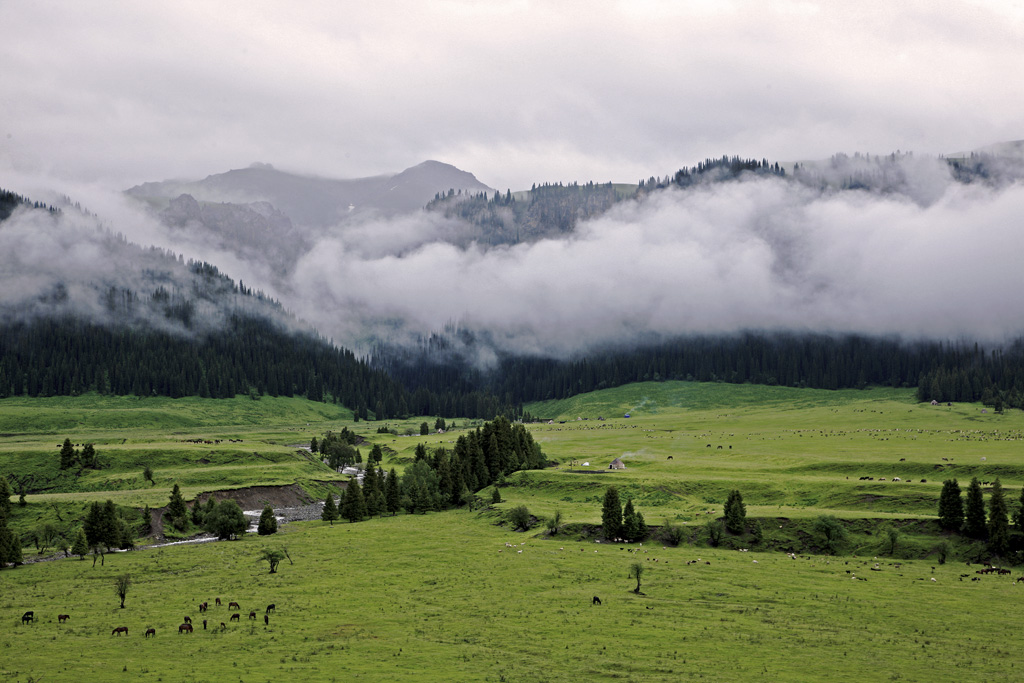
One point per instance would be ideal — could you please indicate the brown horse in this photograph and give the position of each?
(27, 617)
(252, 615)
(151, 632)
(202, 607)
(266, 619)
(188, 620)
(271, 608)
(119, 630)
(61, 618)
(234, 617)
(234, 604)
(185, 628)
(217, 601)
(223, 626)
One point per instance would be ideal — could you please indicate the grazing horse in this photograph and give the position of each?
(204, 624)
(202, 607)
(119, 630)
(234, 604)
(185, 628)
(217, 601)
(252, 615)
(61, 618)
(27, 617)
(188, 620)
(266, 619)
(151, 632)
(234, 617)
(271, 608)
(596, 601)
(223, 626)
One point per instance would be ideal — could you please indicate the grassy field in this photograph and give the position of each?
(442, 597)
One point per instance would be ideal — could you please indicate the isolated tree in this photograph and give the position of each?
(268, 523)
(177, 511)
(951, 506)
(376, 454)
(553, 522)
(226, 520)
(519, 518)
(974, 517)
(890, 536)
(611, 513)
(67, 454)
(81, 545)
(272, 558)
(998, 522)
(330, 511)
(121, 585)
(636, 570)
(147, 474)
(735, 512)
(496, 496)
(832, 533)
(424, 429)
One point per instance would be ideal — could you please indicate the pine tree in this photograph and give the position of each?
(268, 523)
(392, 494)
(5, 498)
(354, 508)
(330, 512)
(371, 487)
(88, 457)
(176, 508)
(67, 455)
(974, 517)
(998, 522)
(951, 506)
(611, 514)
(81, 545)
(630, 529)
(735, 513)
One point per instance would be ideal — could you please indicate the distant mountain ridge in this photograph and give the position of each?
(317, 202)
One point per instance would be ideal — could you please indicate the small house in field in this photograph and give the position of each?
(617, 464)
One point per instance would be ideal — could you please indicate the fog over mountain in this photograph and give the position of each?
(915, 249)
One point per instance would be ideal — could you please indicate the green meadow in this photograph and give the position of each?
(458, 595)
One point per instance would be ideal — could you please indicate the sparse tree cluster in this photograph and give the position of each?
(69, 456)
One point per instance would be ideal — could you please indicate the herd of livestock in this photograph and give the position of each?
(185, 627)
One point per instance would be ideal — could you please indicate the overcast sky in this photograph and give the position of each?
(515, 92)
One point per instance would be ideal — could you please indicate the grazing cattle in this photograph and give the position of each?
(217, 601)
(596, 601)
(61, 618)
(150, 632)
(234, 604)
(252, 615)
(188, 620)
(271, 608)
(27, 617)
(119, 630)
(184, 628)
(234, 617)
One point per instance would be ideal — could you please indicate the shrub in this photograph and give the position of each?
(519, 518)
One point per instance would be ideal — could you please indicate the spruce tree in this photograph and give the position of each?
(176, 508)
(67, 454)
(630, 529)
(392, 494)
(735, 513)
(268, 523)
(951, 506)
(81, 545)
(354, 509)
(998, 522)
(5, 498)
(1019, 516)
(974, 517)
(371, 487)
(88, 457)
(330, 512)
(611, 514)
